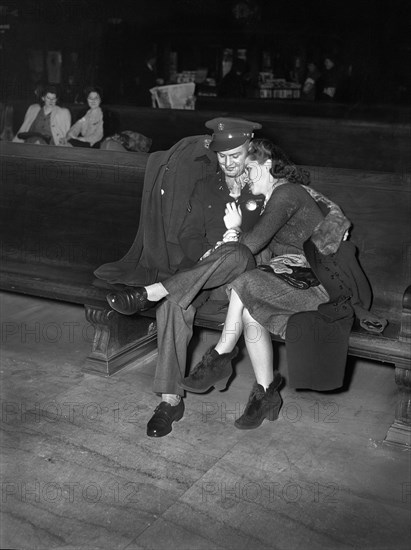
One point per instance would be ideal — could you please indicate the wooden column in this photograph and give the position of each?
(119, 340)
(400, 431)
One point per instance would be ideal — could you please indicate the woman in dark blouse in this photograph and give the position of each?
(262, 300)
(46, 124)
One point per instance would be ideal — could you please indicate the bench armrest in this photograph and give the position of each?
(405, 331)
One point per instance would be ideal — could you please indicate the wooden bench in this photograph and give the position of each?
(67, 211)
(63, 213)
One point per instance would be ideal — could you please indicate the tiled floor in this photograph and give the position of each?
(79, 472)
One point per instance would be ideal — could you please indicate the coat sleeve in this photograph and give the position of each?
(281, 206)
(192, 236)
(60, 125)
(75, 130)
(65, 120)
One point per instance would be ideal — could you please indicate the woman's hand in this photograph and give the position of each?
(233, 216)
(231, 235)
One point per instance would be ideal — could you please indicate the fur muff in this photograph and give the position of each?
(329, 233)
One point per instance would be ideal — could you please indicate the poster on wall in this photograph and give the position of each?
(54, 62)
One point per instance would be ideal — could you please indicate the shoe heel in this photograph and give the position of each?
(222, 384)
(272, 413)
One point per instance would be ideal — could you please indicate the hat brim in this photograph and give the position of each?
(226, 144)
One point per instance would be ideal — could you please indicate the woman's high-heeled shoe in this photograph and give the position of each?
(213, 370)
(129, 300)
(261, 404)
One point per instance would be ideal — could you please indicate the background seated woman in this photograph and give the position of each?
(47, 124)
(88, 131)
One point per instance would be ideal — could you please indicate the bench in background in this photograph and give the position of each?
(63, 213)
(337, 141)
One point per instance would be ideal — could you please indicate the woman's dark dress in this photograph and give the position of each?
(288, 221)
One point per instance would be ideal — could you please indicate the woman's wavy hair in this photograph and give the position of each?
(48, 89)
(89, 89)
(282, 168)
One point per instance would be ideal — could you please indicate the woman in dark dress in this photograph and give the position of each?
(262, 300)
(47, 123)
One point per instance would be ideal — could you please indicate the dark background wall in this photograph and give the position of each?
(101, 41)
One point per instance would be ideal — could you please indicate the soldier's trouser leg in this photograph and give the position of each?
(219, 268)
(174, 332)
(175, 316)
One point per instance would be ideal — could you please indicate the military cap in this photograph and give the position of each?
(229, 133)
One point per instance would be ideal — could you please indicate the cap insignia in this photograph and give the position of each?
(220, 126)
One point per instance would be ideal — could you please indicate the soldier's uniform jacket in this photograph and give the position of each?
(203, 225)
(170, 178)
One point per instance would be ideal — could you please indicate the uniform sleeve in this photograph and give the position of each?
(282, 205)
(192, 235)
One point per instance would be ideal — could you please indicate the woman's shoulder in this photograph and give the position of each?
(62, 110)
(59, 108)
(295, 189)
(34, 108)
(288, 195)
(287, 189)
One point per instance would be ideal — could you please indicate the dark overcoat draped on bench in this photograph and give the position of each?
(169, 180)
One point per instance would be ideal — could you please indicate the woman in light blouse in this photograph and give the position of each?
(88, 131)
(45, 124)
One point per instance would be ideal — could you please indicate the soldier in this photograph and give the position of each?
(211, 261)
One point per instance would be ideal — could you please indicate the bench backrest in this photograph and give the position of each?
(79, 207)
(66, 206)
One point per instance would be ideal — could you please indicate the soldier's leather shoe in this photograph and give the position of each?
(129, 300)
(160, 424)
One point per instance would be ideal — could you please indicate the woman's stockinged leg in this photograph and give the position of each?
(264, 400)
(257, 339)
(233, 325)
(260, 349)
